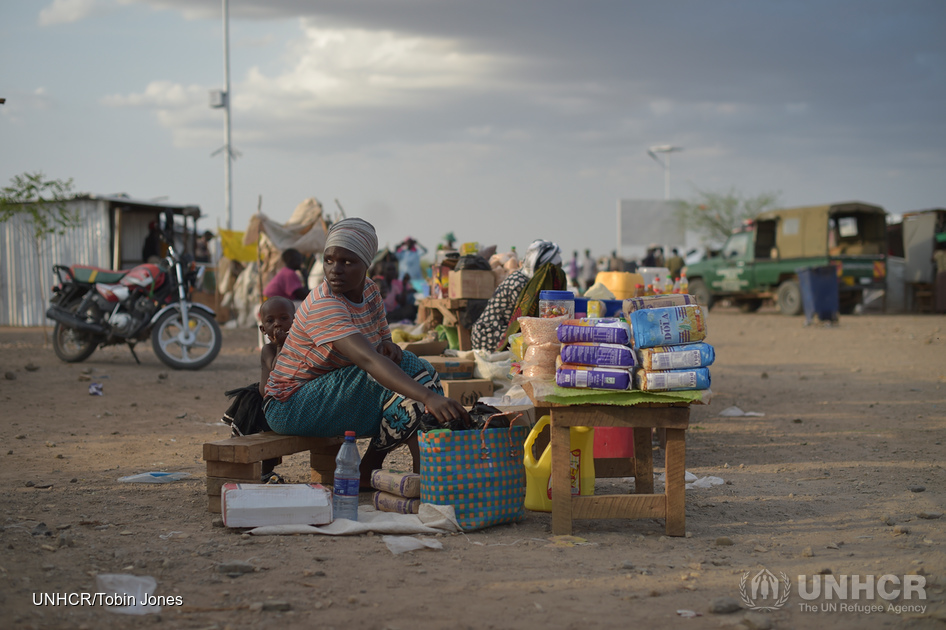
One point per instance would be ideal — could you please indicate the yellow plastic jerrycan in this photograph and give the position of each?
(539, 472)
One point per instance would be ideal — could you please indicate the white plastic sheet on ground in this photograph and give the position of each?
(736, 412)
(430, 519)
(403, 544)
(692, 481)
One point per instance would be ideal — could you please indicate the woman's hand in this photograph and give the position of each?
(391, 350)
(446, 409)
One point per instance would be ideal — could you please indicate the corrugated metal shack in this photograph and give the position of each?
(111, 232)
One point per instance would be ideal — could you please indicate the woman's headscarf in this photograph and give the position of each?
(356, 235)
(539, 253)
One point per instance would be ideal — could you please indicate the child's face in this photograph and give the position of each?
(276, 320)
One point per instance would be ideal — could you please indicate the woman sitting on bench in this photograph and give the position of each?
(339, 370)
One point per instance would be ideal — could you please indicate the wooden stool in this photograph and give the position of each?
(240, 459)
(674, 418)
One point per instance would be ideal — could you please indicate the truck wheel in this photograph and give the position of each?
(750, 306)
(698, 290)
(789, 298)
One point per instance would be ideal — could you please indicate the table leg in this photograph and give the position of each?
(464, 337)
(643, 461)
(676, 482)
(560, 438)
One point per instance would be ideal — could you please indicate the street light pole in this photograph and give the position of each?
(228, 154)
(666, 149)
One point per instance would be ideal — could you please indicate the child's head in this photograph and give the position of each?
(292, 258)
(276, 315)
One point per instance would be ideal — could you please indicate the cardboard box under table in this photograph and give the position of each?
(568, 409)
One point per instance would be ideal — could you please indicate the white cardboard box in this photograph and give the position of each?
(255, 504)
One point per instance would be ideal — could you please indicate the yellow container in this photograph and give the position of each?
(539, 471)
(621, 283)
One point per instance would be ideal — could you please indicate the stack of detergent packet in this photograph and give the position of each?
(658, 346)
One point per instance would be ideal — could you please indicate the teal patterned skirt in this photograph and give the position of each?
(349, 399)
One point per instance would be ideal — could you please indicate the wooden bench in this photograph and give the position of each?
(240, 459)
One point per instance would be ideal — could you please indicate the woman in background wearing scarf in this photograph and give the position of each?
(518, 296)
(339, 370)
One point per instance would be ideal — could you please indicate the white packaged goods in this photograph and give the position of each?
(673, 380)
(255, 504)
(690, 355)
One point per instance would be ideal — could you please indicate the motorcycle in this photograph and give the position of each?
(96, 307)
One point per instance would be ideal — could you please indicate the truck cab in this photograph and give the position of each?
(760, 260)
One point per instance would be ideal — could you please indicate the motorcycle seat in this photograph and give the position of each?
(87, 273)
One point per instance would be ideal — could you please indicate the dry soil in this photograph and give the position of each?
(842, 475)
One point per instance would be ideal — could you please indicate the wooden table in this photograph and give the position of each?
(447, 311)
(643, 418)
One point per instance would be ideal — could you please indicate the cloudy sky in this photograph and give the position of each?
(499, 120)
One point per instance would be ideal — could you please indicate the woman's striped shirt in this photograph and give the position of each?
(325, 317)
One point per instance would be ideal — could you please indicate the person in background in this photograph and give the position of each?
(650, 258)
(542, 267)
(589, 271)
(399, 297)
(675, 264)
(615, 263)
(573, 268)
(408, 255)
(151, 250)
(659, 256)
(202, 247)
(288, 282)
(339, 370)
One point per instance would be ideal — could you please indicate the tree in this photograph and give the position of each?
(715, 215)
(40, 204)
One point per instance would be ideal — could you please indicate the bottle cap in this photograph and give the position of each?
(350, 434)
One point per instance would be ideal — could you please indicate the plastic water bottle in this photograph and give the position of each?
(347, 479)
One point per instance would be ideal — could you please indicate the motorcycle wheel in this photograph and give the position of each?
(75, 346)
(188, 347)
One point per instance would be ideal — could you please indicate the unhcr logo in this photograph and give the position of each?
(764, 591)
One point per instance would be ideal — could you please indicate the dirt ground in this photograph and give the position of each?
(843, 475)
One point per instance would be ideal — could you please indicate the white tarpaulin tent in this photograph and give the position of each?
(305, 231)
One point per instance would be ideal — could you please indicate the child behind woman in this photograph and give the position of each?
(245, 414)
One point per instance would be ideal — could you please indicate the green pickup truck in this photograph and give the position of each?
(759, 261)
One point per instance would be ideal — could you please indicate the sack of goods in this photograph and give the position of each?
(673, 380)
(690, 355)
(671, 353)
(591, 377)
(396, 491)
(655, 301)
(595, 354)
(667, 326)
(594, 330)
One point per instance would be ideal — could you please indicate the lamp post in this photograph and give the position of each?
(221, 99)
(666, 149)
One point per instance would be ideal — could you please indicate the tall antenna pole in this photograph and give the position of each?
(227, 183)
